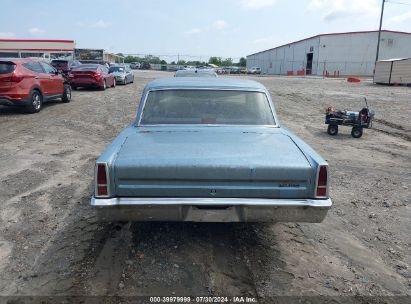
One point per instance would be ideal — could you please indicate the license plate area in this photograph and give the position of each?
(213, 214)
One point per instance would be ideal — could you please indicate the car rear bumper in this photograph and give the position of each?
(7, 101)
(211, 209)
(86, 83)
(121, 80)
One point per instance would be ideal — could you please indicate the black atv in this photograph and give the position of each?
(357, 120)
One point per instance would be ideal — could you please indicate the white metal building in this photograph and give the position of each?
(350, 53)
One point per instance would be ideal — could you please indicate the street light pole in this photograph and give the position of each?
(379, 32)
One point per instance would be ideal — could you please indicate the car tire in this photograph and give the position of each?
(66, 93)
(73, 87)
(125, 80)
(132, 80)
(356, 132)
(114, 83)
(332, 130)
(36, 102)
(104, 85)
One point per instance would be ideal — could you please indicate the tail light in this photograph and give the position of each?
(16, 78)
(97, 75)
(321, 190)
(101, 180)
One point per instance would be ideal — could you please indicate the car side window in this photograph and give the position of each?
(48, 68)
(34, 67)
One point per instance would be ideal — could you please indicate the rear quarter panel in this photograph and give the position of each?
(310, 154)
(110, 154)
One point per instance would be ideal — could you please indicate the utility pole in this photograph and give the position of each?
(379, 32)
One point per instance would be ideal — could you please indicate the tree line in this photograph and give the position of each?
(219, 61)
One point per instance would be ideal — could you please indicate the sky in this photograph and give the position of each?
(194, 29)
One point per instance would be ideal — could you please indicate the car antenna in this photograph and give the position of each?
(366, 103)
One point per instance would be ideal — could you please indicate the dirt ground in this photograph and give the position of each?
(51, 244)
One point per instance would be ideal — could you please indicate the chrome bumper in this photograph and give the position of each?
(211, 209)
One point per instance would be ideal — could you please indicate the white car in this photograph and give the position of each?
(254, 70)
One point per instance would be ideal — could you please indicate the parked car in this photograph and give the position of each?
(234, 70)
(91, 75)
(65, 66)
(30, 83)
(122, 73)
(135, 65)
(145, 66)
(196, 73)
(209, 150)
(254, 70)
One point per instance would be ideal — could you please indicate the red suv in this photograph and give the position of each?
(91, 75)
(29, 83)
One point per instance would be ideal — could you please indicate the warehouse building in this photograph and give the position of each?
(47, 49)
(53, 49)
(338, 54)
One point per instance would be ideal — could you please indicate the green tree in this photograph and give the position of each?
(242, 62)
(215, 60)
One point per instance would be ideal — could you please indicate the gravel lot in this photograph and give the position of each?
(51, 244)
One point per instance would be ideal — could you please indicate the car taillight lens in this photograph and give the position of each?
(97, 75)
(16, 78)
(322, 182)
(101, 180)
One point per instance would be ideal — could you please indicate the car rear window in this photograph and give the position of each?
(207, 107)
(59, 64)
(116, 69)
(86, 68)
(6, 67)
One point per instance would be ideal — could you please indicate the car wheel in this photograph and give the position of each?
(36, 102)
(66, 94)
(104, 85)
(114, 83)
(356, 132)
(132, 80)
(332, 130)
(125, 80)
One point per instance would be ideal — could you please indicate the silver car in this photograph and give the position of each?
(122, 73)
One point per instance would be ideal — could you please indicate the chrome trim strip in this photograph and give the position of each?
(141, 201)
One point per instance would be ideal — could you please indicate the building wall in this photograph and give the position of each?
(291, 57)
(354, 54)
(343, 54)
(36, 48)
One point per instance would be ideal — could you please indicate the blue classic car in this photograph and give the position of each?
(209, 150)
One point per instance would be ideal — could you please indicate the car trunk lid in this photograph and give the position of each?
(83, 74)
(212, 163)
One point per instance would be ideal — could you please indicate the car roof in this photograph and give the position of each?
(196, 72)
(205, 83)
